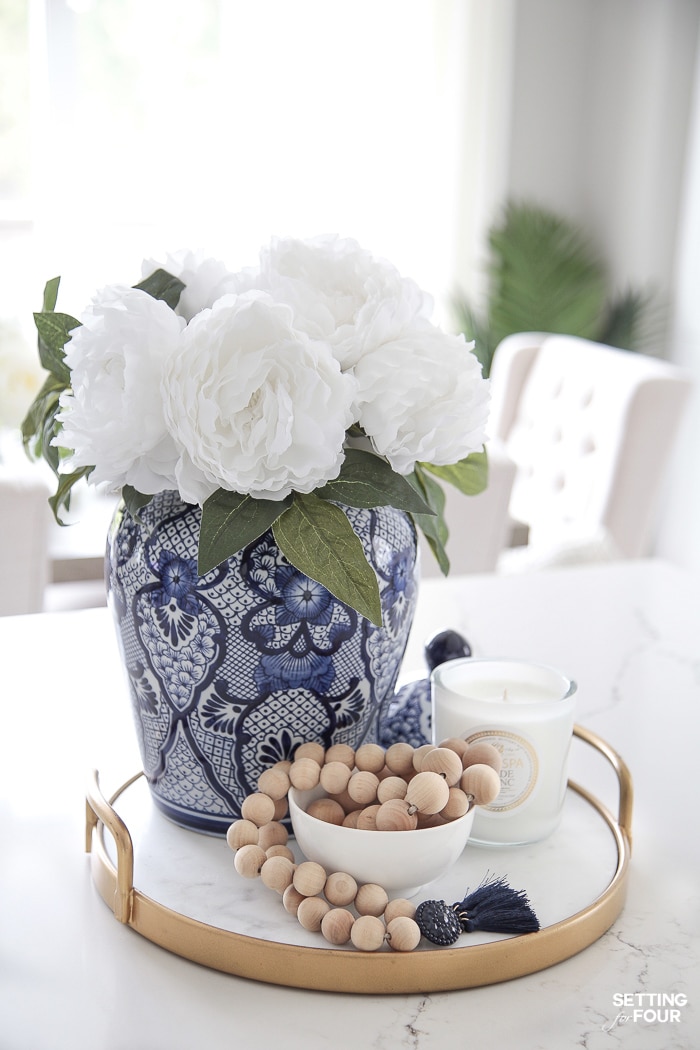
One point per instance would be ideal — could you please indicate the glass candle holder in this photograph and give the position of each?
(526, 711)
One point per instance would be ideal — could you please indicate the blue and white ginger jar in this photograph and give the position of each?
(229, 672)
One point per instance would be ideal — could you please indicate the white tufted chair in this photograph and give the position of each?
(25, 518)
(590, 429)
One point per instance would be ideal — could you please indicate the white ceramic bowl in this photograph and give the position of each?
(400, 861)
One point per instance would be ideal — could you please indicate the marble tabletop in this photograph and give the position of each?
(72, 977)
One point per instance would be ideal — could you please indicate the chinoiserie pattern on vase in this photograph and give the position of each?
(230, 671)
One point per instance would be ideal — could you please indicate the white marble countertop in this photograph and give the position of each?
(73, 977)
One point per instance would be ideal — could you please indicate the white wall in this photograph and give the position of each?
(679, 535)
(604, 130)
(602, 92)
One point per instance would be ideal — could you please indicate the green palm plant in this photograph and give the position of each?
(545, 275)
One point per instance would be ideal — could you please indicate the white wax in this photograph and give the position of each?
(524, 710)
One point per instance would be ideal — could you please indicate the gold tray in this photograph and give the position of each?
(323, 968)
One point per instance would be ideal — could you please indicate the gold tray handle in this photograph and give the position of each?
(97, 808)
(624, 778)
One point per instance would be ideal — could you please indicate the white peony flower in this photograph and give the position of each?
(113, 419)
(421, 397)
(205, 280)
(336, 289)
(258, 407)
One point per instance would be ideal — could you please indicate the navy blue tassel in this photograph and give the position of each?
(497, 908)
(493, 907)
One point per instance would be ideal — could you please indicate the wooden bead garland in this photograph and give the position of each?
(397, 790)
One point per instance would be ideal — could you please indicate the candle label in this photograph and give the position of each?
(519, 769)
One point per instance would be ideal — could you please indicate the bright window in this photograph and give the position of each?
(132, 127)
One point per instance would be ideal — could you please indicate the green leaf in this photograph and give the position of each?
(475, 329)
(433, 527)
(230, 521)
(50, 451)
(470, 475)
(633, 321)
(317, 538)
(61, 497)
(366, 480)
(162, 285)
(546, 275)
(54, 332)
(135, 501)
(45, 402)
(51, 294)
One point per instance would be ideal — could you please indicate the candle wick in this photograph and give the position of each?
(505, 695)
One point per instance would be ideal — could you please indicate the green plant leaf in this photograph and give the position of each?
(51, 294)
(433, 527)
(475, 329)
(45, 402)
(545, 275)
(135, 501)
(61, 497)
(317, 538)
(50, 451)
(162, 285)
(470, 475)
(54, 332)
(367, 480)
(231, 521)
(633, 321)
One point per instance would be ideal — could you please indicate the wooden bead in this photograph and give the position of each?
(346, 802)
(248, 861)
(430, 820)
(457, 805)
(284, 765)
(370, 758)
(367, 818)
(311, 750)
(334, 777)
(367, 933)
(419, 754)
(428, 792)
(281, 809)
(341, 753)
(291, 899)
(456, 744)
(362, 787)
(309, 878)
(399, 759)
(277, 873)
(336, 925)
(327, 810)
(274, 782)
(482, 753)
(395, 815)
(352, 818)
(280, 851)
(259, 808)
(273, 834)
(399, 906)
(340, 889)
(391, 787)
(304, 773)
(445, 762)
(311, 911)
(242, 833)
(403, 934)
(371, 899)
(481, 782)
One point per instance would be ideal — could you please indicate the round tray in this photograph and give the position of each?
(192, 903)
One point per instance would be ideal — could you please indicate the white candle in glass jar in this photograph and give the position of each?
(526, 711)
